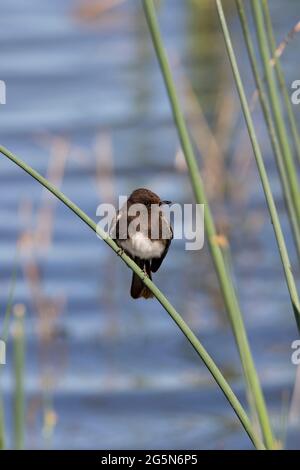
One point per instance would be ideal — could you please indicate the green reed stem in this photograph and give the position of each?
(176, 317)
(271, 127)
(226, 285)
(276, 106)
(4, 337)
(280, 77)
(19, 400)
(262, 171)
(2, 424)
(7, 314)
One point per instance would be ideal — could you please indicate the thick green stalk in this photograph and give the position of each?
(262, 171)
(200, 350)
(280, 77)
(271, 127)
(276, 106)
(19, 400)
(2, 424)
(4, 336)
(226, 285)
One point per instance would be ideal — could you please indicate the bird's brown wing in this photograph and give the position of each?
(156, 262)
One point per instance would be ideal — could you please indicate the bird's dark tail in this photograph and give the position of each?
(138, 288)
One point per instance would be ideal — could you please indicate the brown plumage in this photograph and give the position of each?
(146, 249)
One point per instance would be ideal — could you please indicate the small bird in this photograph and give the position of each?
(143, 232)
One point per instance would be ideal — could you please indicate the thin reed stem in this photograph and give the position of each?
(4, 336)
(200, 350)
(2, 425)
(7, 314)
(19, 362)
(280, 77)
(271, 127)
(261, 168)
(276, 106)
(226, 285)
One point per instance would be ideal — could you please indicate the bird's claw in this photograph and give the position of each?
(120, 252)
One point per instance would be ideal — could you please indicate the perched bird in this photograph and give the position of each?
(143, 232)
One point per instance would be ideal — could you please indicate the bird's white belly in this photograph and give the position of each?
(141, 246)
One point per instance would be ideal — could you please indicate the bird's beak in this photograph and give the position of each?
(168, 203)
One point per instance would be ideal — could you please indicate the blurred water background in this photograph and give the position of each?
(86, 106)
